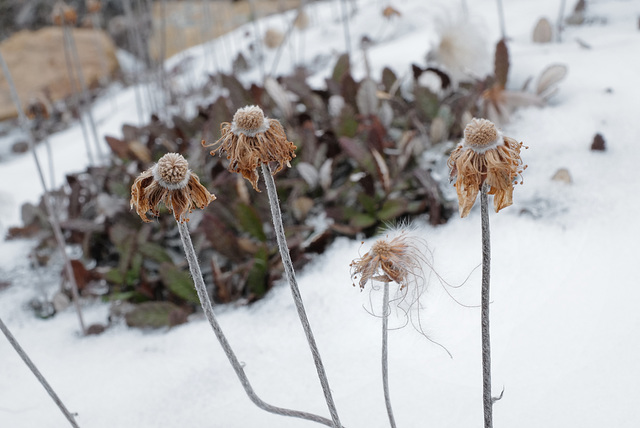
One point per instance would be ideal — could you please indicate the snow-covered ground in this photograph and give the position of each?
(565, 319)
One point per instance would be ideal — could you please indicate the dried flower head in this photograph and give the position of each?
(169, 181)
(397, 259)
(251, 140)
(63, 14)
(485, 155)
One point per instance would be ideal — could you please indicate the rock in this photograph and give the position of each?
(36, 60)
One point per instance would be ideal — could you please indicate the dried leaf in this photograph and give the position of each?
(309, 174)
(279, 96)
(598, 143)
(366, 99)
(549, 78)
(325, 174)
(501, 64)
(383, 170)
(542, 32)
(388, 79)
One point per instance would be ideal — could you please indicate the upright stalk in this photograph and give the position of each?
(486, 341)
(207, 307)
(37, 374)
(345, 22)
(75, 91)
(503, 31)
(276, 214)
(84, 90)
(385, 365)
(53, 217)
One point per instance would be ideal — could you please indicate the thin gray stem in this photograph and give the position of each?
(345, 22)
(257, 37)
(75, 91)
(207, 307)
(52, 175)
(53, 217)
(84, 90)
(37, 374)
(276, 215)
(385, 365)
(560, 23)
(503, 31)
(486, 340)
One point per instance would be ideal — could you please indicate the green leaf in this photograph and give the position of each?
(250, 222)
(257, 279)
(154, 251)
(391, 209)
(363, 220)
(368, 203)
(114, 276)
(388, 78)
(179, 282)
(427, 102)
(155, 315)
(341, 68)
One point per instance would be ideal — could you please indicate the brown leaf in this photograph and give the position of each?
(501, 64)
(598, 143)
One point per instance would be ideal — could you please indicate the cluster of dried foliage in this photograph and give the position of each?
(359, 164)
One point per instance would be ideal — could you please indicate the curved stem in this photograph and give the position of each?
(486, 340)
(276, 214)
(385, 365)
(207, 307)
(37, 374)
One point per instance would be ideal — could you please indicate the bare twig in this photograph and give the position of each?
(207, 307)
(37, 374)
(53, 217)
(276, 215)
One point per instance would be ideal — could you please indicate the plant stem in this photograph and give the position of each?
(486, 340)
(84, 90)
(503, 30)
(385, 366)
(37, 373)
(276, 214)
(345, 22)
(207, 307)
(53, 217)
(75, 91)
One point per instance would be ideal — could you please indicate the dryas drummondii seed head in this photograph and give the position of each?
(169, 181)
(397, 259)
(485, 156)
(251, 140)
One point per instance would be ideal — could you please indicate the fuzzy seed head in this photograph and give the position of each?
(172, 169)
(480, 134)
(398, 259)
(249, 119)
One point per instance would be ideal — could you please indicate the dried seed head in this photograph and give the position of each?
(172, 171)
(171, 182)
(249, 121)
(485, 156)
(397, 259)
(63, 14)
(251, 140)
(481, 135)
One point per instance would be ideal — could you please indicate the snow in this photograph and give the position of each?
(564, 316)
